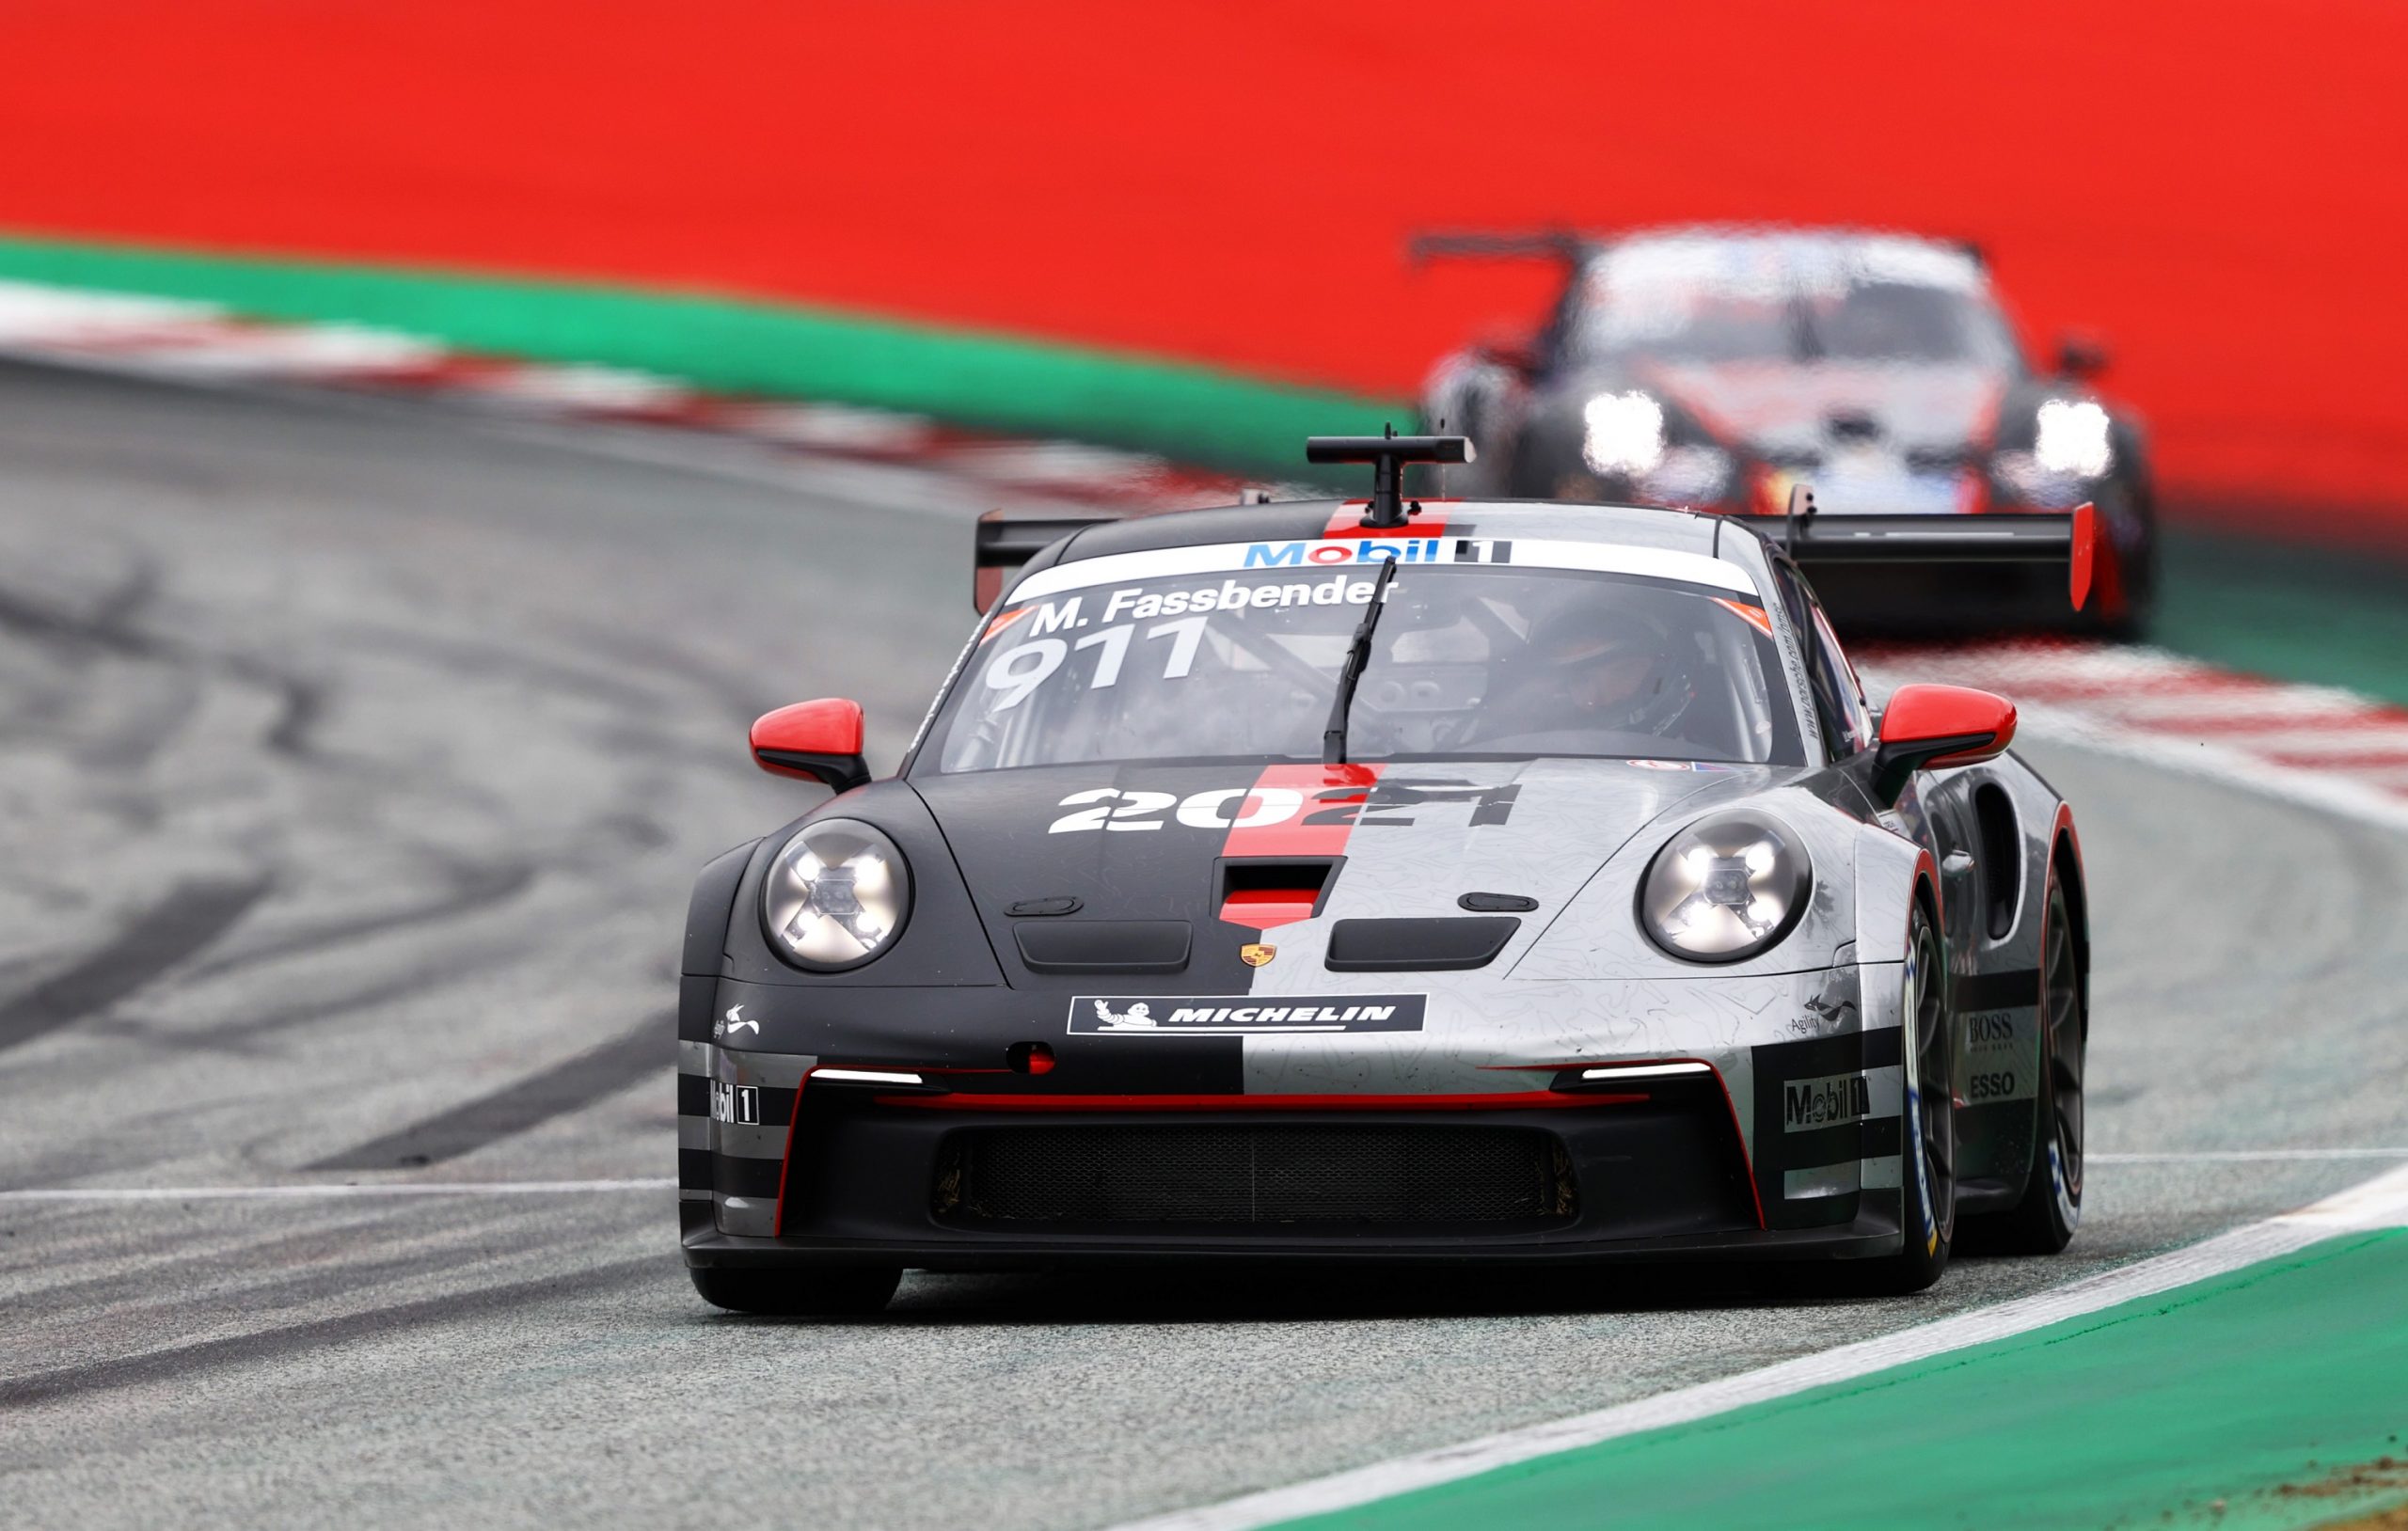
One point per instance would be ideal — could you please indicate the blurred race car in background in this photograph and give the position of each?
(1714, 368)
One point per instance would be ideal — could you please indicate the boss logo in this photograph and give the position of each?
(1989, 1028)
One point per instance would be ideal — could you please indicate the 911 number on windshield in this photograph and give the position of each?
(1022, 669)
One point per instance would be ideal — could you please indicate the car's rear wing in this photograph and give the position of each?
(1007, 541)
(1816, 541)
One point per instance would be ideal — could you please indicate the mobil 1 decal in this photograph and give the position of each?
(1821, 1104)
(1241, 1015)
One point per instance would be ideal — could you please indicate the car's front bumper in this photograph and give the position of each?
(1657, 1173)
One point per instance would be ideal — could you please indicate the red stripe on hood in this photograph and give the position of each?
(1333, 797)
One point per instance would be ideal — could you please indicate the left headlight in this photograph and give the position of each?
(836, 895)
(1726, 888)
(1622, 433)
(2075, 436)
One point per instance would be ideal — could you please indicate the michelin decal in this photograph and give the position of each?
(1241, 1015)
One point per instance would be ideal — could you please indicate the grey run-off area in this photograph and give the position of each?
(354, 759)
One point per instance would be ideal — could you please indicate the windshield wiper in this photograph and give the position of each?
(1359, 654)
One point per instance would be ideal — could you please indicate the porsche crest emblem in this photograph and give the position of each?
(1256, 954)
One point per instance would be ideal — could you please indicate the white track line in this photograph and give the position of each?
(433, 1188)
(2246, 1156)
(2382, 1202)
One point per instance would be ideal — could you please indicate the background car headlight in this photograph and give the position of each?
(2071, 436)
(1726, 888)
(837, 894)
(1625, 432)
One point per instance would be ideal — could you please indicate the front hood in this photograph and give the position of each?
(1787, 410)
(1150, 843)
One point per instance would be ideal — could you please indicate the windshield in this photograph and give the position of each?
(1470, 661)
(1703, 301)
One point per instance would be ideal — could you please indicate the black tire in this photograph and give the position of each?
(2044, 1221)
(1928, 1154)
(829, 1291)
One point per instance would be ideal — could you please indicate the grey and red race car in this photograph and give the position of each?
(1714, 368)
(1472, 881)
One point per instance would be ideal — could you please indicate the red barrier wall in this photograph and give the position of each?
(2214, 185)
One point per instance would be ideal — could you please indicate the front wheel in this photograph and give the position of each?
(1928, 1152)
(831, 1292)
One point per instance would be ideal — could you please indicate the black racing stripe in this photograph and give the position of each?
(693, 1096)
(556, 1092)
(753, 1177)
(693, 1169)
(1886, 1047)
(192, 916)
(1997, 991)
(1884, 1137)
(1876, 1139)
(1845, 1053)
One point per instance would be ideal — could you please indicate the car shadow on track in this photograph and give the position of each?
(1242, 1293)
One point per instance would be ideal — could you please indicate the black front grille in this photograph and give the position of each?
(1270, 1173)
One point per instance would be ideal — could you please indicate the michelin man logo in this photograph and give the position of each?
(734, 1022)
(1137, 1017)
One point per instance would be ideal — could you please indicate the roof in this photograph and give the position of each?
(1733, 253)
(1315, 519)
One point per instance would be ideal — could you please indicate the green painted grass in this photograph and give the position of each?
(2225, 1390)
(996, 382)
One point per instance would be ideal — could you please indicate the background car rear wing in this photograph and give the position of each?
(1817, 542)
(1494, 245)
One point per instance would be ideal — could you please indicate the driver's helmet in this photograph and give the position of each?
(1606, 667)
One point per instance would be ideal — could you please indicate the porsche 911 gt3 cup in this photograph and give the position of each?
(1507, 882)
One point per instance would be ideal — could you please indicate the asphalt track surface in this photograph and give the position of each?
(354, 759)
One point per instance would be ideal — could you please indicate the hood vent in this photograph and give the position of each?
(1266, 893)
(1074, 946)
(1440, 945)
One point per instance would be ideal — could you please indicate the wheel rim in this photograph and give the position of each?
(1935, 1077)
(2061, 1007)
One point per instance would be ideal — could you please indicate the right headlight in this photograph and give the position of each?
(1726, 888)
(836, 895)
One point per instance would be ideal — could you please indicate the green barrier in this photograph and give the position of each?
(994, 381)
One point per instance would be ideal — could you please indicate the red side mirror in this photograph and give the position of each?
(1927, 726)
(818, 741)
(2081, 355)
